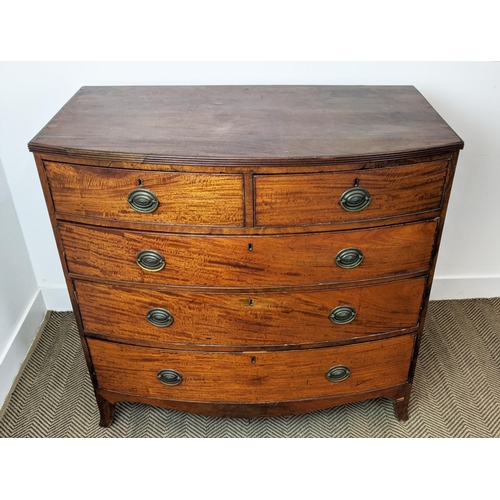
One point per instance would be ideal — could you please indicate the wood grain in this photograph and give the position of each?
(246, 319)
(189, 199)
(305, 199)
(226, 261)
(251, 377)
(241, 125)
(257, 410)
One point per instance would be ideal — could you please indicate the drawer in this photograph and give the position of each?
(243, 319)
(251, 376)
(181, 198)
(315, 198)
(247, 261)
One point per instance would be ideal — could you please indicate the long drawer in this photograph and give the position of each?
(197, 199)
(248, 261)
(243, 319)
(251, 376)
(359, 195)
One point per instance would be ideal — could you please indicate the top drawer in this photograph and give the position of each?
(195, 199)
(308, 199)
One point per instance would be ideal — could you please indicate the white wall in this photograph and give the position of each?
(22, 308)
(467, 95)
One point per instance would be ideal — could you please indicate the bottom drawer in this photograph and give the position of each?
(251, 377)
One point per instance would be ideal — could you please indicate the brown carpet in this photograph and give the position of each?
(456, 391)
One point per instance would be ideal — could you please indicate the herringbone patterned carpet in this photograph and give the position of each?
(456, 391)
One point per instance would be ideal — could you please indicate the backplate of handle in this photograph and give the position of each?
(338, 373)
(150, 260)
(355, 199)
(349, 258)
(143, 201)
(159, 317)
(169, 377)
(342, 315)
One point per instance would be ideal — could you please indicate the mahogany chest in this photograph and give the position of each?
(248, 251)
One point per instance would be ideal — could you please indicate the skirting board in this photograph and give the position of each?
(23, 343)
(465, 288)
(57, 298)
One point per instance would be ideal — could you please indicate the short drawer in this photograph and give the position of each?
(243, 319)
(339, 197)
(247, 261)
(251, 376)
(175, 198)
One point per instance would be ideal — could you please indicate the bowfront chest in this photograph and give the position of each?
(248, 251)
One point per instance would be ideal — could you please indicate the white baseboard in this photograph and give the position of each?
(57, 298)
(465, 288)
(23, 341)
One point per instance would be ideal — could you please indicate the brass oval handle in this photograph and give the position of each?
(338, 373)
(349, 258)
(159, 317)
(143, 201)
(150, 260)
(355, 199)
(342, 315)
(169, 377)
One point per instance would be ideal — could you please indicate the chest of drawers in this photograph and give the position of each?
(248, 251)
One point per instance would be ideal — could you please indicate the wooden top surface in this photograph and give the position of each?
(247, 125)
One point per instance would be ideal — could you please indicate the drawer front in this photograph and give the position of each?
(252, 377)
(244, 319)
(307, 199)
(247, 261)
(182, 198)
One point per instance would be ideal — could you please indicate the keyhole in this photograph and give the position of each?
(139, 182)
(250, 247)
(356, 183)
(253, 360)
(250, 302)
